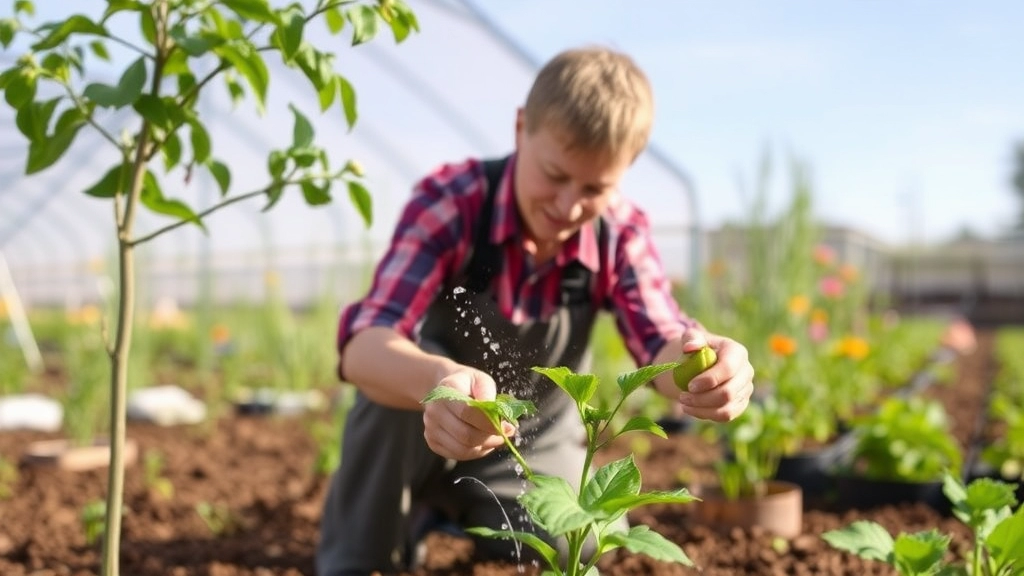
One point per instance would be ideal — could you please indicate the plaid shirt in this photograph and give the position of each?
(433, 238)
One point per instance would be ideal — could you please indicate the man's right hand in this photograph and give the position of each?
(459, 431)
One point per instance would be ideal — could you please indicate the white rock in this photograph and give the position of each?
(30, 412)
(166, 405)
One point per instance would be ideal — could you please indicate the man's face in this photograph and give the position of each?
(560, 189)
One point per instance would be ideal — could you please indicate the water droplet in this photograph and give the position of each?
(465, 334)
(477, 320)
(486, 340)
(494, 345)
(504, 526)
(459, 290)
(519, 469)
(485, 355)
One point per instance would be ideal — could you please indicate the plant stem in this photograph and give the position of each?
(527, 471)
(125, 319)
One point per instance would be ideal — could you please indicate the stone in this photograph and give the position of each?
(165, 405)
(30, 412)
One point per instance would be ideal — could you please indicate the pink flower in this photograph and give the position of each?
(817, 331)
(831, 287)
(824, 255)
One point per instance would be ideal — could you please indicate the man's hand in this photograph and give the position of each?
(459, 431)
(720, 393)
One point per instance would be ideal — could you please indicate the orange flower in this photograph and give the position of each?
(220, 334)
(819, 316)
(782, 345)
(853, 347)
(824, 255)
(799, 305)
(849, 273)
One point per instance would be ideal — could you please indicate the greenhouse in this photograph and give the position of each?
(237, 236)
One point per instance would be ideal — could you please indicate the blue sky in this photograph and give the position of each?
(905, 111)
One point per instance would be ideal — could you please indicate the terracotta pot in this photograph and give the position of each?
(780, 510)
(65, 455)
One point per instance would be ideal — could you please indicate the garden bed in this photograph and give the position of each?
(254, 479)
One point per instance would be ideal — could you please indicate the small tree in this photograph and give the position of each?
(185, 45)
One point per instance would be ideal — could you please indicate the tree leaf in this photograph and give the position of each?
(255, 10)
(641, 539)
(326, 95)
(194, 45)
(58, 32)
(152, 197)
(348, 100)
(24, 7)
(334, 20)
(302, 132)
(864, 538)
(8, 27)
(251, 66)
(44, 153)
(315, 195)
(127, 91)
(111, 184)
(19, 88)
(33, 119)
(364, 23)
(360, 198)
(171, 150)
(288, 34)
(200, 140)
(629, 382)
(154, 110)
(221, 174)
(553, 506)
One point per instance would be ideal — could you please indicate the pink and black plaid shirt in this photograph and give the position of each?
(433, 238)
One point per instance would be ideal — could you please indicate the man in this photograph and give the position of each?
(494, 268)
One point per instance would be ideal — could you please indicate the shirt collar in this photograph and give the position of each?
(506, 226)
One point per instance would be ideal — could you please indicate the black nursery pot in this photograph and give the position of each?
(860, 493)
(810, 471)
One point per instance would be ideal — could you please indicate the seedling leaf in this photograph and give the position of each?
(645, 424)
(1006, 542)
(642, 540)
(630, 381)
(613, 480)
(549, 554)
(919, 553)
(863, 538)
(553, 506)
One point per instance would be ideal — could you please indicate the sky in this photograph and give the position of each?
(905, 113)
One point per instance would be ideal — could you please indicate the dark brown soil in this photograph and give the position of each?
(259, 472)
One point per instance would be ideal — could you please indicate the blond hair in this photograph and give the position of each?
(600, 98)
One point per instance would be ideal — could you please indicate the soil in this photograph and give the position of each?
(258, 472)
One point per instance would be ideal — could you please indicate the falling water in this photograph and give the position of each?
(507, 525)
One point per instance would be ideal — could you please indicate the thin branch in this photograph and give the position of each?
(200, 216)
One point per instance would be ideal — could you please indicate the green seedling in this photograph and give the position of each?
(218, 518)
(606, 495)
(153, 470)
(693, 364)
(93, 517)
(985, 505)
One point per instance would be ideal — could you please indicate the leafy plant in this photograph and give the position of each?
(604, 497)
(153, 474)
(984, 505)
(180, 48)
(905, 440)
(93, 520)
(218, 518)
(756, 441)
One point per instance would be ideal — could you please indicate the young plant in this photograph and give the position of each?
(605, 496)
(218, 518)
(153, 471)
(985, 506)
(93, 520)
(175, 50)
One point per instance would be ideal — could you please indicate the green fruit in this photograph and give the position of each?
(693, 364)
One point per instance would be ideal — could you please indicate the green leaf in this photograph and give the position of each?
(348, 100)
(251, 66)
(643, 424)
(552, 505)
(446, 393)
(506, 407)
(24, 7)
(112, 183)
(194, 45)
(558, 374)
(360, 198)
(919, 553)
(19, 88)
(154, 110)
(334, 19)
(200, 140)
(642, 540)
(315, 195)
(152, 197)
(127, 91)
(42, 154)
(115, 6)
(326, 95)
(611, 481)
(364, 23)
(221, 174)
(629, 382)
(56, 34)
(580, 387)
(100, 50)
(302, 132)
(864, 538)
(255, 10)
(171, 150)
(288, 34)
(33, 119)
(235, 90)
(629, 502)
(549, 554)
(8, 27)
(1006, 542)
(402, 21)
